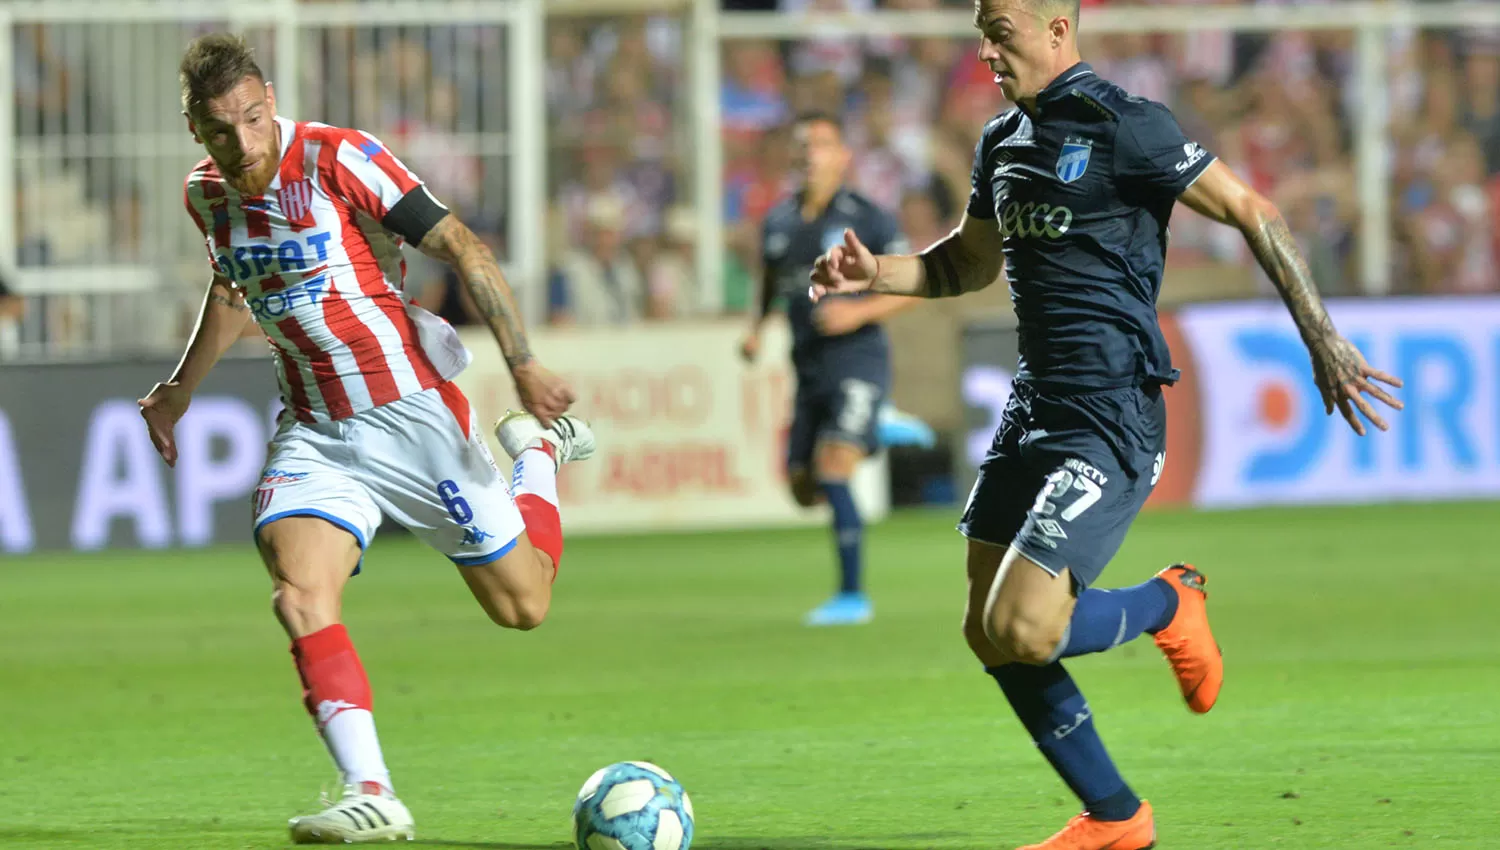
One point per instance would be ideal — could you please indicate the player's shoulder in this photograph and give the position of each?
(204, 179)
(329, 134)
(1114, 104)
(783, 215)
(1002, 126)
(855, 204)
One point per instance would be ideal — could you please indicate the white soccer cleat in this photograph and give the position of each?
(357, 818)
(570, 436)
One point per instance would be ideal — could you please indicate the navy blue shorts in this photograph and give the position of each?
(1067, 474)
(845, 410)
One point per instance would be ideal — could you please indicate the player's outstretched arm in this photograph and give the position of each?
(839, 316)
(221, 321)
(451, 241)
(1340, 370)
(966, 260)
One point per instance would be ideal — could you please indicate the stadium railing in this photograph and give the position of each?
(1372, 22)
(92, 230)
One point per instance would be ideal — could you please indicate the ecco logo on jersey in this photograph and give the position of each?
(253, 261)
(273, 305)
(1034, 221)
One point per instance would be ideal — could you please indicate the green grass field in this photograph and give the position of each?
(148, 700)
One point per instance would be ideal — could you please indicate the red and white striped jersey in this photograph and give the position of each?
(322, 277)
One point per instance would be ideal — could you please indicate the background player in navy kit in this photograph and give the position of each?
(1072, 191)
(839, 351)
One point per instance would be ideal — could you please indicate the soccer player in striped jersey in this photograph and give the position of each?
(303, 225)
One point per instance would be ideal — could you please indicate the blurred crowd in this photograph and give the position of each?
(1281, 108)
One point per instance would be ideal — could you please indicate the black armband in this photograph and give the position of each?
(943, 280)
(414, 215)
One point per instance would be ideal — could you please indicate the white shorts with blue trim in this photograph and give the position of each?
(419, 460)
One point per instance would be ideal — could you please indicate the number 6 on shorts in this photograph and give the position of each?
(457, 507)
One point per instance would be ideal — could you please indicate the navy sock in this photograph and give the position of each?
(1104, 619)
(848, 532)
(1053, 710)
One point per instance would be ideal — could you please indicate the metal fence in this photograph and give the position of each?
(91, 123)
(519, 111)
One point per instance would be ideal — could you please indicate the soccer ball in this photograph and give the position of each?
(632, 805)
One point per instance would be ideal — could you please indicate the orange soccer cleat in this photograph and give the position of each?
(1188, 642)
(1083, 832)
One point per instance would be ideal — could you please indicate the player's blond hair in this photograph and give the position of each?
(1044, 8)
(1069, 7)
(212, 65)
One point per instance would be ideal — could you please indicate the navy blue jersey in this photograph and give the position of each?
(790, 246)
(1081, 192)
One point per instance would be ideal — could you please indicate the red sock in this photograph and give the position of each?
(534, 483)
(336, 692)
(333, 680)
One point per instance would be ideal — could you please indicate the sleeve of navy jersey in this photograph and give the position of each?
(981, 195)
(1153, 156)
(773, 242)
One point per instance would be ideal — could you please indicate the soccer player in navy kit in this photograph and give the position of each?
(839, 351)
(1072, 191)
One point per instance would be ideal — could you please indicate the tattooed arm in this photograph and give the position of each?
(455, 244)
(966, 260)
(1338, 367)
(541, 392)
(221, 321)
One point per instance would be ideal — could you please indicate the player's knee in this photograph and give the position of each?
(304, 609)
(837, 461)
(1021, 638)
(519, 610)
(979, 640)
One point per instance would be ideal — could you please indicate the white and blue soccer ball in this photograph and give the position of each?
(632, 805)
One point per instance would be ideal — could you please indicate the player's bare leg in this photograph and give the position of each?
(834, 463)
(983, 564)
(516, 590)
(1027, 609)
(310, 560)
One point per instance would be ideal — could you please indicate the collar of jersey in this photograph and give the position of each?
(1065, 82)
(288, 133)
(838, 195)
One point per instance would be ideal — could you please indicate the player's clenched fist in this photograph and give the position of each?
(849, 267)
(161, 408)
(543, 394)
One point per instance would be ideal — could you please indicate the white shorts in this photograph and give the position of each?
(419, 460)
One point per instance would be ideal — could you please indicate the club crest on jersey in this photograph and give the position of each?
(1073, 161)
(296, 202)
